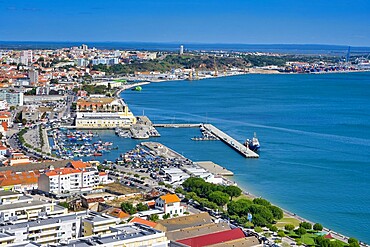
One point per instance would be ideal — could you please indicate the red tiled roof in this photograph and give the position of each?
(79, 164)
(170, 198)
(8, 178)
(61, 171)
(143, 222)
(213, 238)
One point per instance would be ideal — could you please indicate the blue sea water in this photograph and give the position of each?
(314, 131)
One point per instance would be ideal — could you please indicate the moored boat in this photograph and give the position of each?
(253, 144)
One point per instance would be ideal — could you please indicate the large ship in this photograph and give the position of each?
(253, 144)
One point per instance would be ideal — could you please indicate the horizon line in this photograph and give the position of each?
(186, 42)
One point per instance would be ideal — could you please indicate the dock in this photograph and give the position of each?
(167, 125)
(231, 141)
(214, 168)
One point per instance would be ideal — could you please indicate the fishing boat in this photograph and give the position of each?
(253, 144)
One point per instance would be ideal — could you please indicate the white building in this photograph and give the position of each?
(33, 75)
(4, 105)
(128, 235)
(44, 231)
(16, 207)
(181, 49)
(170, 204)
(174, 175)
(26, 57)
(103, 112)
(13, 98)
(65, 180)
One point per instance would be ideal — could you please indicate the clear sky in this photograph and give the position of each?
(344, 22)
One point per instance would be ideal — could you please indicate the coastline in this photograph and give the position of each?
(335, 234)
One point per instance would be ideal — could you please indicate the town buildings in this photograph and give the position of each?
(78, 177)
(103, 113)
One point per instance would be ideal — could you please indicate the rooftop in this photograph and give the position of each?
(143, 222)
(213, 238)
(194, 231)
(184, 221)
(170, 198)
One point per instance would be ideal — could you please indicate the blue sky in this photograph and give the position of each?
(344, 22)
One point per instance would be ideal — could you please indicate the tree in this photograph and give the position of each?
(24, 121)
(276, 212)
(258, 220)
(273, 228)
(233, 191)
(317, 227)
(180, 190)
(352, 242)
(154, 217)
(128, 208)
(258, 229)
(281, 234)
(239, 207)
(289, 227)
(261, 201)
(219, 197)
(301, 231)
(305, 225)
(64, 204)
(166, 216)
(141, 207)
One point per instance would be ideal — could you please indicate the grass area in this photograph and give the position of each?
(308, 239)
(242, 196)
(287, 220)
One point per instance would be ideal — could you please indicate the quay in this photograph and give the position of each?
(214, 168)
(164, 125)
(231, 141)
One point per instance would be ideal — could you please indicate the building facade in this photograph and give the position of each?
(12, 98)
(103, 113)
(170, 204)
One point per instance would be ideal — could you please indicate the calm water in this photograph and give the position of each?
(314, 131)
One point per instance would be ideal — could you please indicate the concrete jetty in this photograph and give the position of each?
(231, 141)
(167, 125)
(214, 168)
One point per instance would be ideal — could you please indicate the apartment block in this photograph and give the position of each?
(16, 207)
(69, 179)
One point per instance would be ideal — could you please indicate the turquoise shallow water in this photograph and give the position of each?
(314, 132)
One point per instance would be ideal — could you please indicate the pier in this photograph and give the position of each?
(231, 141)
(177, 125)
(214, 168)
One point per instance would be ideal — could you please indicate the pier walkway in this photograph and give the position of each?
(176, 125)
(231, 141)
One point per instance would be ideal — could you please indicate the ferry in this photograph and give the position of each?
(253, 144)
